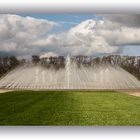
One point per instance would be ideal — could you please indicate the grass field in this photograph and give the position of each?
(69, 108)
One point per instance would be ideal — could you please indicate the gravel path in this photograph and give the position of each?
(4, 90)
(134, 92)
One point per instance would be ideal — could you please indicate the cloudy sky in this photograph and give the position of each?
(75, 34)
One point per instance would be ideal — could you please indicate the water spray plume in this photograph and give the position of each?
(70, 77)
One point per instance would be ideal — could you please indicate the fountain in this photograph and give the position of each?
(67, 74)
(37, 77)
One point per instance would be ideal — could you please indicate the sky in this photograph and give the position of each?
(65, 20)
(24, 35)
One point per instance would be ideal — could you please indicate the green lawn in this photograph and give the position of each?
(69, 108)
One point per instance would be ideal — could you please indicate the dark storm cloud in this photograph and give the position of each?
(125, 20)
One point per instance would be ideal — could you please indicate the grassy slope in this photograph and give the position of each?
(69, 108)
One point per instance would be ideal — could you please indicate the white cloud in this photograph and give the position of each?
(49, 54)
(6, 47)
(93, 37)
(49, 41)
(79, 40)
(18, 32)
(27, 36)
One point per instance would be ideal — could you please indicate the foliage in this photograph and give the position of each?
(7, 64)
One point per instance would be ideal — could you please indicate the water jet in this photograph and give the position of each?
(37, 77)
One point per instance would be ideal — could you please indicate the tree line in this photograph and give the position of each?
(129, 63)
(7, 64)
